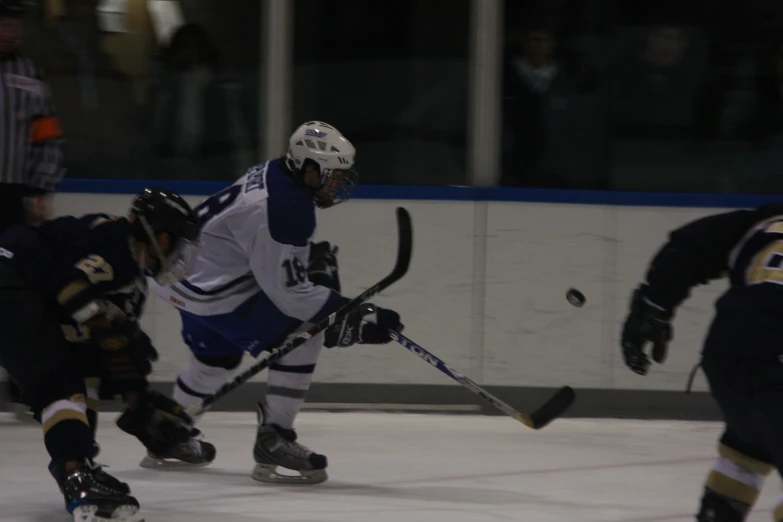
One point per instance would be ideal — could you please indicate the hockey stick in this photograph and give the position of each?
(404, 251)
(552, 409)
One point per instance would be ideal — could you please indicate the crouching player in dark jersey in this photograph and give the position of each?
(86, 353)
(742, 356)
(62, 274)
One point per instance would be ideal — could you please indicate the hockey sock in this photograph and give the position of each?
(197, 380)
(288, 383)
(734, 484)
(67, 434)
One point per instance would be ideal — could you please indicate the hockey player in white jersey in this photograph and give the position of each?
(255, 281)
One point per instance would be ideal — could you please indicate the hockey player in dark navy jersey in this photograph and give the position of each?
(57, 282)
(742, 356)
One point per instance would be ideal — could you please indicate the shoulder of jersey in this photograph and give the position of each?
(270, 181)
(291, 212)
(254, 184)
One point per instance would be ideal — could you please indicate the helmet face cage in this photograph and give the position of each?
(159, 211)
(332, 154)
(174, 267)
(337, 185)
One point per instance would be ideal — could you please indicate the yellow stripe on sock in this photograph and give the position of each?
(64, 415)
(731, 488)
(751, 464)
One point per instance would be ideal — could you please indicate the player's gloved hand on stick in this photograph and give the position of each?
(368, 324)
(645, 323)
(157, 421)
(322, 266)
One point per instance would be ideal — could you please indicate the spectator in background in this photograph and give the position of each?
(767, 126)
(198, 126)
(96, 100)
(653, 92)
(78, 29)
(553, 128)
(31, 159)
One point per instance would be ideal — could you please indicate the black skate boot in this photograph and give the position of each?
(193, 453)
(58, 472)
(89, 499)
(277, 447)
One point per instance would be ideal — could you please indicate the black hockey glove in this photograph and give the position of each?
(158, 422)
(126, 356)
(645, 323)
(322, 267)
(368, 324)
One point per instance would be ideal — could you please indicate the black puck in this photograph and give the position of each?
(575, 297)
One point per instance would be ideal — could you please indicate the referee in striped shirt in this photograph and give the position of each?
(31, 158)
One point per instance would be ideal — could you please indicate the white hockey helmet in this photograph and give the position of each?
(322, 145)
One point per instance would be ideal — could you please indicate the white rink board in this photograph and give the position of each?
(534, 253)
(392, 467)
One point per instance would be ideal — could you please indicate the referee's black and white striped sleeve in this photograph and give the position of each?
(30, 135)
(45, 162)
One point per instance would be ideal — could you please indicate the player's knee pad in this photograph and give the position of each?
(734, 483)
(198, 379)
(227, 362)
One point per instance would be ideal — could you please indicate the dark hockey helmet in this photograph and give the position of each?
(12, 8)
(319, 144)
(155, 211)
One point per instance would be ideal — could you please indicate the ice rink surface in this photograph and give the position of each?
(404, 468)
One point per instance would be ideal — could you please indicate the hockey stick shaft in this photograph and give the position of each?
(552, 409)
(404, 252)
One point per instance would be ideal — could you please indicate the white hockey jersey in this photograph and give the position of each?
(255, 238)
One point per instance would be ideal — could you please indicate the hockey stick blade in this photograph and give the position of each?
(552, 409)
(404, 253)
(556, 406)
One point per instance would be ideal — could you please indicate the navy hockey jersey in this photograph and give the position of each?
(76, 260)
(747, 247)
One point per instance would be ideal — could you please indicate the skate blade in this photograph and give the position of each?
(170, 464)
(268, 473)
(87, 513)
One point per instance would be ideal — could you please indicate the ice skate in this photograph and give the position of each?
(57, 471)
(92, 499)
(276, 447)
(193, 453)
